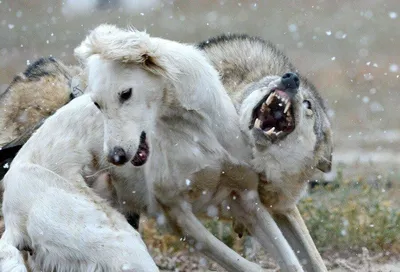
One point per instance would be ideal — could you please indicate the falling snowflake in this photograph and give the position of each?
(292, 27)
(393, 68)
(392, 15)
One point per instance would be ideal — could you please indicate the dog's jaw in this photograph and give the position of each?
(143, 151)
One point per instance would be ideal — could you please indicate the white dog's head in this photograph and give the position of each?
(124, 88)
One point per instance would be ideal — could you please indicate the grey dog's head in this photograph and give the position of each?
(288, 125)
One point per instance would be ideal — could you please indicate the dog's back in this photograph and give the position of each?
(33, 95)
(242, 59)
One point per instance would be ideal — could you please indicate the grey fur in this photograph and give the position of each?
(244, 62)
(250, 69)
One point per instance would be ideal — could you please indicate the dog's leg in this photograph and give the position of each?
(247, 207)
(133, 220)
(295, 230)
(213, 248)
(11, 259)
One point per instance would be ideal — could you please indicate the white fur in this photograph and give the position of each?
(68, 227)
(192, 129)
(193, 133)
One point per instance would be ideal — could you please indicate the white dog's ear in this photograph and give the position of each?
(89, 45)
(127, 46)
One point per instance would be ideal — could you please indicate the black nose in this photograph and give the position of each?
(117, 156)
(290, 81)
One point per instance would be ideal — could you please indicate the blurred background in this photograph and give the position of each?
(349, 49)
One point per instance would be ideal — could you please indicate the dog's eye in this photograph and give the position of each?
(307, 104)
(307, 107)
(125, 95)
(97, 105)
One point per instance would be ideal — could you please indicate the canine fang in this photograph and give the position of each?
(287, 107)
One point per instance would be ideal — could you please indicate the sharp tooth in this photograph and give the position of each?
(264, 107)
(269, 99)
(279, 133)
(269, 132)
(287, 107)
(257, 123)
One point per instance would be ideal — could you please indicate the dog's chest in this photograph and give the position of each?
(184, 163)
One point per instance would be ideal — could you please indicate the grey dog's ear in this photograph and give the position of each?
(325, 163)
(325, 160)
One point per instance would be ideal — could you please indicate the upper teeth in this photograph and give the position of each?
(269, 99)
(287, 107)
(264, 107)
(284, 102)
(257, 123)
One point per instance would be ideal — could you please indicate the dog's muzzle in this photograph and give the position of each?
(274, 114)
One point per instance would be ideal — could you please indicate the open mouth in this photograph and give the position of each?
(143, 151)
(274, 115)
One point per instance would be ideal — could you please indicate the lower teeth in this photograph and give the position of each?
(269, 132)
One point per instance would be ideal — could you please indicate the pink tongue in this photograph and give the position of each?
(142, 154)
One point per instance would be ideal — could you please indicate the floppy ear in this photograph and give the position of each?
(127, 46)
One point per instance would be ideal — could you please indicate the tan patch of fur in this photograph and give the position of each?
(27, 102)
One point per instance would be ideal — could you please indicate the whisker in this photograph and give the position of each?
(101, 170)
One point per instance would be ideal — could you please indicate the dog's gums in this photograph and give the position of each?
(274, 115)
(142, 153)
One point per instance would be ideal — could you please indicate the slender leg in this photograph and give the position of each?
(10, 257)
(209, 245)
(295, 230)
(248, 208)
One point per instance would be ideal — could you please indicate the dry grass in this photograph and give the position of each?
(359, 213)
(345, 219)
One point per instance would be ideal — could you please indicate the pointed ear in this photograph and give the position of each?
(325, 161)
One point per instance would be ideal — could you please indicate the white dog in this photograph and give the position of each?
(165, 109)
(49, 209)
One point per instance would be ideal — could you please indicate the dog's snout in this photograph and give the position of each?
(290, 81)
(117, 156)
